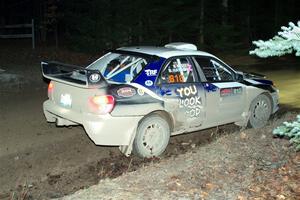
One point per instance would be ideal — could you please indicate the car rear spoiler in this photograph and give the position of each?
(72, 74)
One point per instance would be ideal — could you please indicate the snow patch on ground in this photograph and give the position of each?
(4, 77)
(11, 80)
(14, 82)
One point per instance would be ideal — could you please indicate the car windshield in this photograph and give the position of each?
(117, 67)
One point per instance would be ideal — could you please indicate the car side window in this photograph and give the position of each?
(178, 70)
(214, 70)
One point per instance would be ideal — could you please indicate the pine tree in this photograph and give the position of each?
(287, 41)
(290, 130)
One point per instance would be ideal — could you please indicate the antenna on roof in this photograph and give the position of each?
(181, 46)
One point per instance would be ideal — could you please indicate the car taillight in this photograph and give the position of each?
(102, 104)
(50, 90)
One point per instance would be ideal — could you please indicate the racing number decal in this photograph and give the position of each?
(176, 78)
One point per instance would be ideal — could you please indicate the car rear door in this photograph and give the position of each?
(182, 92)
(225, 96)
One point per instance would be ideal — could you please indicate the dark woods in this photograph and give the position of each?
(95, 25)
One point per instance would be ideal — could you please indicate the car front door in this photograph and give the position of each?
(225, 96)
(182, 92)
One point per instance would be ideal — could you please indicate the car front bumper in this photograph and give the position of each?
(102, 129)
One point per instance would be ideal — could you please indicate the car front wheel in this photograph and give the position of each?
(260, 111)
(152, 137)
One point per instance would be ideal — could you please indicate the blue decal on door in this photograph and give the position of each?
(209, 87)
(150, 73)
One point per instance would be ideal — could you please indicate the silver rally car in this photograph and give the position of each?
(137, 97)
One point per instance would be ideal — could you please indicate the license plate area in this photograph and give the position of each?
(66, 100)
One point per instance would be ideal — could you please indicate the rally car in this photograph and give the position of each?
(137, 97)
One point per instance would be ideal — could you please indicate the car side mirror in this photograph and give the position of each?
(239, 76)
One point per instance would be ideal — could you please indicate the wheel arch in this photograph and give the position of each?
(127, 149)
(252, 121)
(256, 94)
(270, 98)
(165, 115)
(138, 145)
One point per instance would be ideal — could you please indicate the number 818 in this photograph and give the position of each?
(177, 78)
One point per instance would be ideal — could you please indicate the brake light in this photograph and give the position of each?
(50, 90)
(102, 104)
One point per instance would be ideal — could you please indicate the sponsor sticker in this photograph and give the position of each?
(126, 92)
(225, 92)
(141, 92)
(151, 72)
(148, 82)
(94, 78)
(237, 90)
(230, 91)
(210, 87)
(164, 92)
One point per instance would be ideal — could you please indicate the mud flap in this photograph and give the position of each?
(244, 122)
(64, 122)
(49, 117)
(127, 149)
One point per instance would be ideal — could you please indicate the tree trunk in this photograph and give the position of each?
(140, 25)
(225, 12)
(276, 14)
(201, 24)
(2, 10)
(170, 37)
(43, 22)
(56, 35)
(249, 31)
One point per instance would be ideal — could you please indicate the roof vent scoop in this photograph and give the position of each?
(181, 46)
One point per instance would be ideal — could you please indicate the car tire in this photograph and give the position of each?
(260, 111)
(152, 137)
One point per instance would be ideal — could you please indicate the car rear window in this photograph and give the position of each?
(119, 67)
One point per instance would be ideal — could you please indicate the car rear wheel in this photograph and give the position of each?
(260, 111)
(152, 137)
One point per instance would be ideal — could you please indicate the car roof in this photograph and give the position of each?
(163, 51)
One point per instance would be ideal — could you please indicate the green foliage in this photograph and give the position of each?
(287, 41)
(290, 130)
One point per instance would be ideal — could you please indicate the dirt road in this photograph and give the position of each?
(51, 162)
(31, 150)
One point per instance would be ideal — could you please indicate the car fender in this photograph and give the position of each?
(127, 149)
(251, 93)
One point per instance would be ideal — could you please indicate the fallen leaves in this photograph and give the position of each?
(210, 186)
(243, 135)
(279, 183)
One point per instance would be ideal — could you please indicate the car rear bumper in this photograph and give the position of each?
(102, 129)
